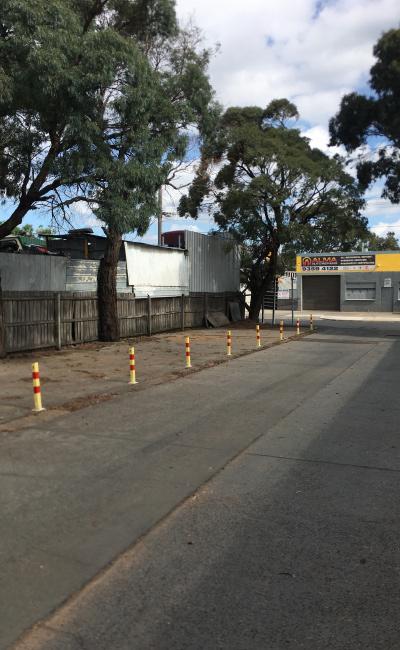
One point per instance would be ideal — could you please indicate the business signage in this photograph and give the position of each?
(283, 294)
(318, 263)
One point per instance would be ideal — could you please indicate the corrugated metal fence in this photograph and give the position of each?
(47, 273)
(214, 262)
(49, 319)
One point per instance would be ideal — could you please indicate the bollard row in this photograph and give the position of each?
(37, 394)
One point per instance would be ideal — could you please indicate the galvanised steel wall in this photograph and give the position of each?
(214, 263)
(82, 276)
(23, 272)
(211, 265)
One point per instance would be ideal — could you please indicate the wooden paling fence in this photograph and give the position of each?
(46, 319)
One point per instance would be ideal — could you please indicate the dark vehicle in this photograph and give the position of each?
(25, 244)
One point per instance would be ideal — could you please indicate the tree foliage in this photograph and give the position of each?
(388, 242)
(378, 115)
(96, 99)
(86, 113)
(271, 189)
(55, 61)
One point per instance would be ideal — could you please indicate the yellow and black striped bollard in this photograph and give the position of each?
(258, 336)
(37, 394)
(132, 366)
(311, 323)
(281, 330)
(187, 352)
(229, 343)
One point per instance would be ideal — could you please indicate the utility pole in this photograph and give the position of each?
(160, 217)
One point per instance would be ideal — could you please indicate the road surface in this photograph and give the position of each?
(249, 506)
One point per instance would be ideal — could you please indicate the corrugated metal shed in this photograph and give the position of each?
(209, 263)
(82, 276)
(214, 262)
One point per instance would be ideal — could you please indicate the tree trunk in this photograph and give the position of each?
(256, 300)
(14, 220)
(258, 288)
(3, 350)
(107, 289)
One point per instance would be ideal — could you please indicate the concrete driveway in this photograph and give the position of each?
(251, 505)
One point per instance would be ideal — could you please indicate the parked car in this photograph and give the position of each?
(25, 244)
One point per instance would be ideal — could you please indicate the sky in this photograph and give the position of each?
(311, 52)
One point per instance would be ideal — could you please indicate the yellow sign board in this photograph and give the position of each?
(354, 262)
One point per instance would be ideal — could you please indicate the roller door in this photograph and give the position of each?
(321, 292)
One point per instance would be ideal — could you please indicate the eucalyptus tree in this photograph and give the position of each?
(95, 99)
(269, 188)
(376, 115)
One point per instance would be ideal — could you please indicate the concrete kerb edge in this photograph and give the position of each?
(59, 410)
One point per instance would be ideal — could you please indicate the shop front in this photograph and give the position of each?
(349, 281)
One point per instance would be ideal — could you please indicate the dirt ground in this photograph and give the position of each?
(78, 376)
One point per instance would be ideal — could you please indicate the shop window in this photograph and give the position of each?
(360, 291)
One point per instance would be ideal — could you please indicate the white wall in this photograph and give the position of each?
(157, 271)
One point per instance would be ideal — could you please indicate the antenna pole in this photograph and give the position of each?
(160, 198)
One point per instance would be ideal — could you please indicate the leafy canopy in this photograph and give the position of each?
(271, 188)
(271, 185)
(95, 98)
(388, 242)
(361, 117)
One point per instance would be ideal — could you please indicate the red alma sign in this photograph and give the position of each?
(319, 261)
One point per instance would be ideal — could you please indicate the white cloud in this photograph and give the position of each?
(310, 52)
(82, 213)
(283, 49)
(319, 138)
(383, 215)
(378, 208)
(383, 227)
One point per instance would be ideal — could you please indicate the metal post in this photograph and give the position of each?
(149, 314)
(159, 218)
(262, 309)
(132, 366)
(273, 302)
(229, 343)
(187, 352)
(183, 312)
(37, 394)
(292, 283)
(205, 308)
(258, 337)
(57, 318)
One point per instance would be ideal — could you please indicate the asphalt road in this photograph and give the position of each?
(264, 494)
